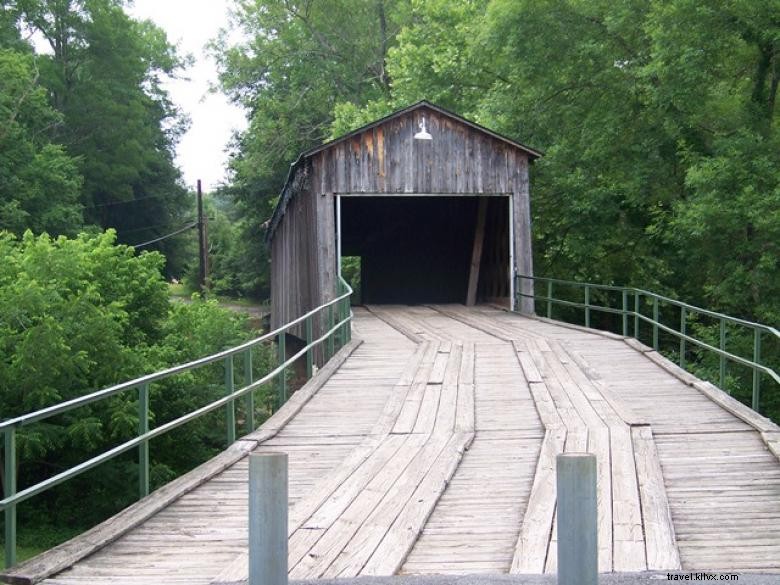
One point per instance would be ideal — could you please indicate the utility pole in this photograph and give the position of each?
(203, 243)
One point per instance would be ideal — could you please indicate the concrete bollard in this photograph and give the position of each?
(268, 519)
(577, 519)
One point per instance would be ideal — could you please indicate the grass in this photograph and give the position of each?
(22, 554)
(178, 290)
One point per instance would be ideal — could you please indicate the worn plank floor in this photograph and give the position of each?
(431, 450)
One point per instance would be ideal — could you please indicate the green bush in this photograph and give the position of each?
(84, 313)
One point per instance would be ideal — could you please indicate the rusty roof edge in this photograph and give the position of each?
(286, 194)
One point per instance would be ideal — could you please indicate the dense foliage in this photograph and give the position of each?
(87, 132)
(84, 313)
(658, 121)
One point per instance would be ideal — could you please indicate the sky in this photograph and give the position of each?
(190, 24)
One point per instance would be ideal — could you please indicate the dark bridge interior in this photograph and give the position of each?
(418, 249)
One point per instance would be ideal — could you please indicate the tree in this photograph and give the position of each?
(39, 181)
(298, 61)
(104, 75)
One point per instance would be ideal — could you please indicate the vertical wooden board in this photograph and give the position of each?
(629, 547)
(464, 415)
(439, 367)
(368, 530)
(598, 444)
(660, 541)
(328, 547)
(445, 415)
(453, 367)
(466, 374)
(428, 409)
(522, 236)
(396, 544)
(340, 498)
(476, 253)
(407, 146)
(536, 531)
(532, 373)
(410, 409)
(545, 406)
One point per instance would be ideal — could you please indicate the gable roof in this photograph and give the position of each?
(287, 192)
(532, 153)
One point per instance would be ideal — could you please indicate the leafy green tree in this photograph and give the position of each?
(105, 75)
(39, 182)
(298, 61)
(84, 313)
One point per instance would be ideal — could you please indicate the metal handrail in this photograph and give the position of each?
(682, 335)
(336, 328)
(50, 411)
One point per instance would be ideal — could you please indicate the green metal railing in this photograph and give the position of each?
(631, 317)
(335, 315)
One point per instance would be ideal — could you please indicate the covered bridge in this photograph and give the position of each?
(435, 206)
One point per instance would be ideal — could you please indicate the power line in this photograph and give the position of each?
(111, 203)
(141, 229)
(166, 236)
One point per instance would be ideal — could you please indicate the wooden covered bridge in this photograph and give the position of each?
(425, 441)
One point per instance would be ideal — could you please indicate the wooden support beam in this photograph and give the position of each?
(476, 253)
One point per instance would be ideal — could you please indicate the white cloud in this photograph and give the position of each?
(191, 24)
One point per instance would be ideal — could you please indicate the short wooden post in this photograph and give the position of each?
(268, 519)
(577, 519)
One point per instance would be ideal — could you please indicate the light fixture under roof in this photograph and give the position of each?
(423, 133)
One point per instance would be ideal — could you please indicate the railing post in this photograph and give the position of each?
(577, 519)
(655, 323)
(310, 351)
(683, 330)
(624, 294)
(756, 373)
(230, 407)
(9, 469)
(143, 448)
(549, 299)
(250, 397)
(348, 324)
(722, 363)
(331, 350)
(282, 357)
(587, 306)
(636, 314)
(268, 504)
(340, 329)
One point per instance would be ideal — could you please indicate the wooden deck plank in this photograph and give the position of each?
(379, 480)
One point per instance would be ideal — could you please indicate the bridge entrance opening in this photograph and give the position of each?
(428, 249)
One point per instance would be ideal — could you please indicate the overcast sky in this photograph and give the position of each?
(190, 24)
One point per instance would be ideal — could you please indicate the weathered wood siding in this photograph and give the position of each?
(386, 159)
(295, 260)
